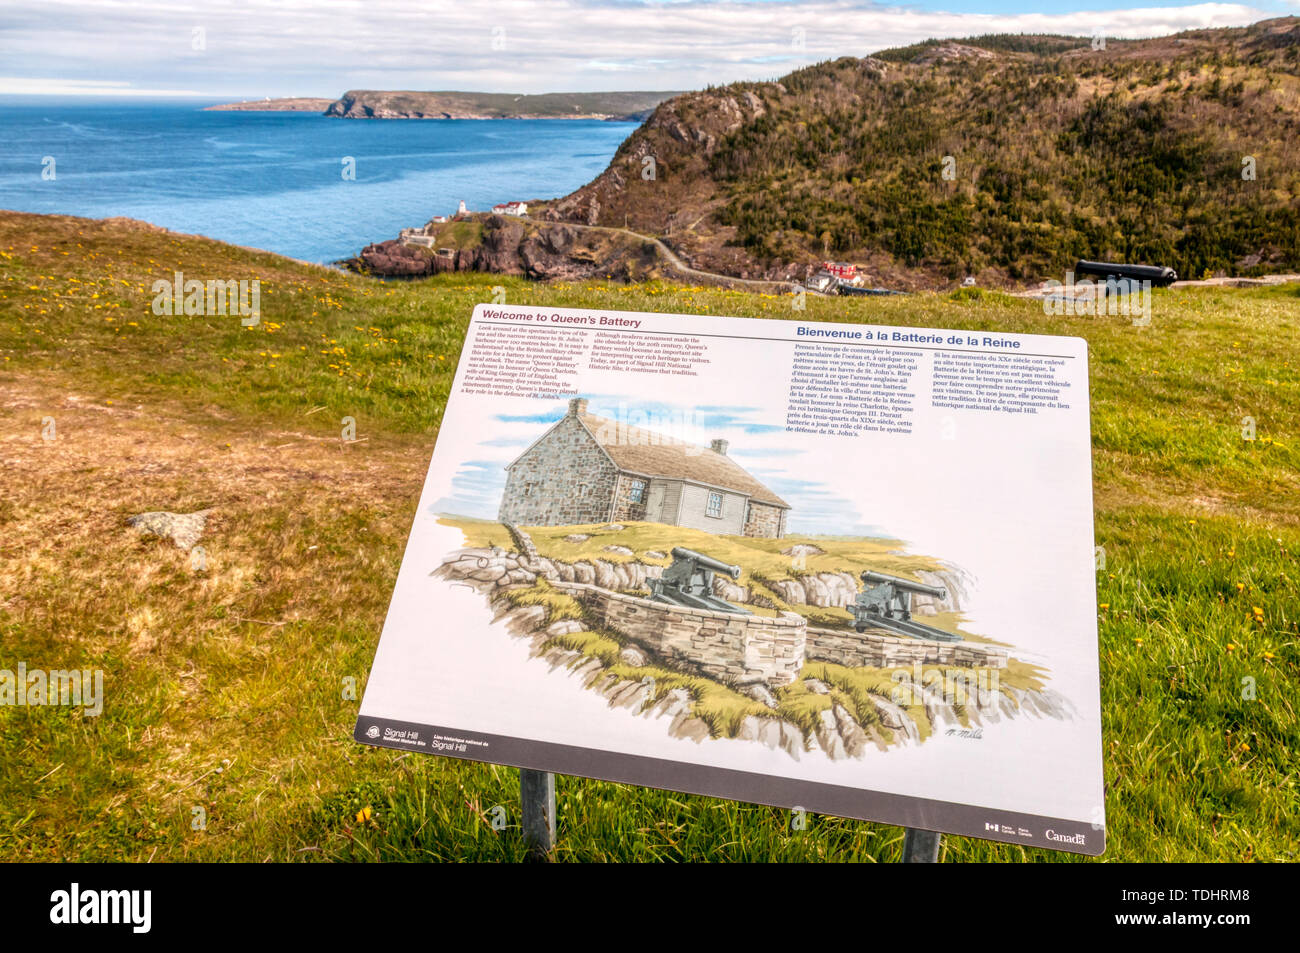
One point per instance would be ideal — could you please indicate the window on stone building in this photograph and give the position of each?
(636, 493)
(715, 505)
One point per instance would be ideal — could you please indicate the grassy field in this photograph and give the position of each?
(226, 731)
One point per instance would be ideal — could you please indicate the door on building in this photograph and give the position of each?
(655, 503)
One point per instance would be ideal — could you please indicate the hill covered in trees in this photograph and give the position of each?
(1007, 157)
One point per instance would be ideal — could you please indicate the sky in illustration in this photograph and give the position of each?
(221, 49)
(754, 443)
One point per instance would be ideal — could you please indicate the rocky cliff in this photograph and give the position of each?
(1003, 157)
(537, 250)
(448, 104)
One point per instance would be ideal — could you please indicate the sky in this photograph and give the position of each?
(222, 49)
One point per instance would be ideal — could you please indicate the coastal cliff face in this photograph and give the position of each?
(1004, 157)
(535, 250)
(411, 104)
(659, 181)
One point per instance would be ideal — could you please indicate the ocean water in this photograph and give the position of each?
(274, 180)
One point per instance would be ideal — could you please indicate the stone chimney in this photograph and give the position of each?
(577, 405)
(719, 446)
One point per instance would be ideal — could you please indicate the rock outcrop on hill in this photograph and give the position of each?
(300, 104)
(541, 251)
(450, 104)
(1003, 157)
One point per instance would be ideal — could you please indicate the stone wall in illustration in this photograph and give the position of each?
(733, 648)
(765, 521)
(880, 650)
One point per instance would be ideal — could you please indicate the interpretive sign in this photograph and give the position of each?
(841, 568)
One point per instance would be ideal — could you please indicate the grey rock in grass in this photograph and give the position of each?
(891, 716)
(605, 575)
(761, 694)
(769, 732)
(792, 740)
(618, 550)
(183, 529)
(693, 729)
(828, 735)
(855, 739)
(631, 656)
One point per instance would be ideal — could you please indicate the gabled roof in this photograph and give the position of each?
(648, 453)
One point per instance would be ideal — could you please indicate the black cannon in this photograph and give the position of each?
(689, 582)
(850, 290)
(1160, 277)
(886, 603)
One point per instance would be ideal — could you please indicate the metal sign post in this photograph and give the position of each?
(537, 797)
(920, 847)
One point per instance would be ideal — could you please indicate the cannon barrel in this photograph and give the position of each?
(1157, 275)
(706, 562)
(905, 584)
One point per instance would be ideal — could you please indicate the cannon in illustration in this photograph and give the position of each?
(689, 582)
(886, 603)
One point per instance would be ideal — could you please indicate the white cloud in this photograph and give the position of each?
(271, 47)
(44, 86)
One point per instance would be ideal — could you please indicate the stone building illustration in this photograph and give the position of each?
(589, 469)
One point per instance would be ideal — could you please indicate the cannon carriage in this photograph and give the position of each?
(689, 582)
(886, 603)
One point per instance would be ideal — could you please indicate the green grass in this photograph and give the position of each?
(243, 667)
(558, 605)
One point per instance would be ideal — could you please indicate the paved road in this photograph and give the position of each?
(680, 266)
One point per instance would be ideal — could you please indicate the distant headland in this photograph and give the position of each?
(294, 104)
(450, 104)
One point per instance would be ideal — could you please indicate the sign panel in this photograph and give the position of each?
(843, 568)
